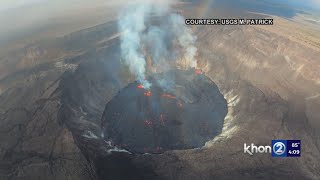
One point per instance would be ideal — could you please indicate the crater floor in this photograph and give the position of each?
(181, 110)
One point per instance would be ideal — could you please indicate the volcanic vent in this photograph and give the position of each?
(181, 113)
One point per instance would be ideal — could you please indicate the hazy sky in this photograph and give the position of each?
(8, 4)
(309, 3)
(26, 18)
(21, 16)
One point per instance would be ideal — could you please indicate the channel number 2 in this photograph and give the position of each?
(279, 148)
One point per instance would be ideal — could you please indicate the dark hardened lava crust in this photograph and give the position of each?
(185, 112)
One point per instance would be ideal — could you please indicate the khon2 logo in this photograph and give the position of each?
(278, 148)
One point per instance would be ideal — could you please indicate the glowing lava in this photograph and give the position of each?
(140, 86)
(198, 71)
(168, 96)
(147, 93)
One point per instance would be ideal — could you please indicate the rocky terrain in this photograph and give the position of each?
(53, 95)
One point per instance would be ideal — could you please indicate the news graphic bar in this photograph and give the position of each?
(278, 148)
(286, 148)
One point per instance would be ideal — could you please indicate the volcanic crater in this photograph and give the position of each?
(183, 109)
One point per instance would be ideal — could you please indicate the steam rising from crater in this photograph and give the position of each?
(160, 44)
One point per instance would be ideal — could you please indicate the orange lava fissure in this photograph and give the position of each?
(140, 86)
(148, 93)
(168, 96)
(198, 71)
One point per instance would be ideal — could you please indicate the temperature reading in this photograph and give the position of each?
(295, 144)
(294, 148)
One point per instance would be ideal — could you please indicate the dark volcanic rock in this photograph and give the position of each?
(183, 116)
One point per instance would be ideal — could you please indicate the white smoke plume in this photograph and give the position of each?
(140, 36)
(185, 39)
(156, 42)
(132, 24)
